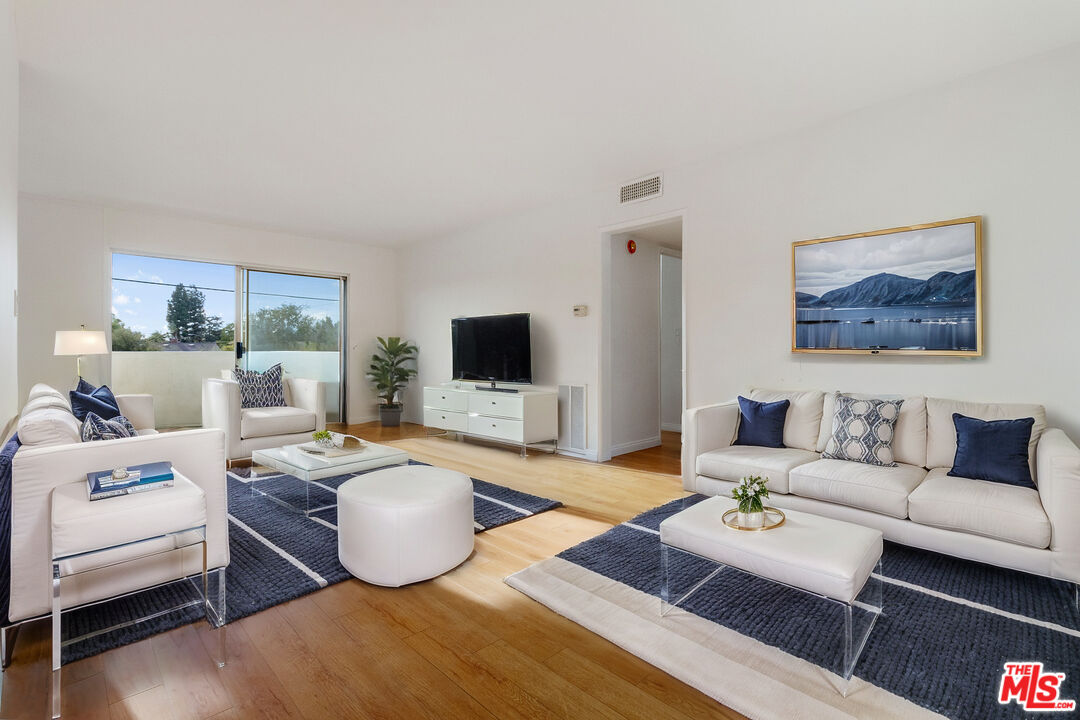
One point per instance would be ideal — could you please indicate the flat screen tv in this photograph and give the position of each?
(495, 348)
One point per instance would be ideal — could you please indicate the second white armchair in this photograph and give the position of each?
(247, 430)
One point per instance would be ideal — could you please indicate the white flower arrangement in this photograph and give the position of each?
(750, 492)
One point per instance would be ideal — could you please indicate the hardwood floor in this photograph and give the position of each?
(664, 458)
(464, 645)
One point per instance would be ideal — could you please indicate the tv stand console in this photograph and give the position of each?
(523, 418)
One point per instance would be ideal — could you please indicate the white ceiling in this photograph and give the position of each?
(387, 122)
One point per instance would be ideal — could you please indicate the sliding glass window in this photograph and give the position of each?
(174, 322)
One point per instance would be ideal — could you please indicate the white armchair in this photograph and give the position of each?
(52, 455)
(247, 430)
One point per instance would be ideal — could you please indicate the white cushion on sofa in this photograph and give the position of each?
(909, 434)
(263, 422)
(46, 401)
(941, 432)
(48, 426)
(803, 420)
(737, 461)
(996, 510)
(42, 390)
(871, 487)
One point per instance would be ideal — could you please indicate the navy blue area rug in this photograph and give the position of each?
(276, 555)
(948, 627)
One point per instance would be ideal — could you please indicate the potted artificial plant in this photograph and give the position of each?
(390, 374)
(751, 492)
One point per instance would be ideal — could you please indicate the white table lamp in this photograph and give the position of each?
(79, 343)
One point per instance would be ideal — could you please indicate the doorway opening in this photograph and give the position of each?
(645, 347)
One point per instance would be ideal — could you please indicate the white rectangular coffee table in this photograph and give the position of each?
(291, 460)
(829, 558)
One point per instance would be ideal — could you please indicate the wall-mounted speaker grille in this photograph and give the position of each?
(642, 189)
(573, 433)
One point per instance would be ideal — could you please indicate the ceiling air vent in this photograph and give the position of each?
(642, 189)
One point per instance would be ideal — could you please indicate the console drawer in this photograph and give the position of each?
(512, 430)
(507, 406)
(446, 420)
(442, 399)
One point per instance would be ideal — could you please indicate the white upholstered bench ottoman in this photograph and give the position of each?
(404, 524)
(830, 558)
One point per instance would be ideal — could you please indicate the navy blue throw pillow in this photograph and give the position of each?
(101, 402)
(762, 423)
(995, 450)
(84, 387)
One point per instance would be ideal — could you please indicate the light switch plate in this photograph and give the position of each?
(581, 310)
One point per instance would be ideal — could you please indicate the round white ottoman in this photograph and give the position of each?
(404, 524)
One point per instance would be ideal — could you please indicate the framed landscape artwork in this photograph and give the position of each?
(912, 290)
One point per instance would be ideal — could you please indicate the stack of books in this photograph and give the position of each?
(140, 478)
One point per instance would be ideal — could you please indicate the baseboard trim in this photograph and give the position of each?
(580, 454)
(635, 446)
(671, 427)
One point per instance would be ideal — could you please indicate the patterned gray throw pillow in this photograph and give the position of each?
(862, 431)
(95, 427)
(260, 389)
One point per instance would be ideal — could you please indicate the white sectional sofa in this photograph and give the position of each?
(915, 503)
(52, 455)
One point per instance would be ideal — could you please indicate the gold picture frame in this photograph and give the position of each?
(845, 300)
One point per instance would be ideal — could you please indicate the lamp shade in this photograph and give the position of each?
(80, 342)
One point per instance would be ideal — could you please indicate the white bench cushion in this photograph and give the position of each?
(803, 420)
(264, 422)
(79, 525)
(881, 489)
(824, 556)
(738, 461)
(1004, 512)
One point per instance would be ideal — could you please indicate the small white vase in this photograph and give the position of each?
(752, 519)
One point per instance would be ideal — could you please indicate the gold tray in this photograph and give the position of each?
(774, 518)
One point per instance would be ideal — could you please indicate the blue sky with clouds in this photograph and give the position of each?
(141, 287)
(919, 254)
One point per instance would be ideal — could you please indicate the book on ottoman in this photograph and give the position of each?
(139, 478)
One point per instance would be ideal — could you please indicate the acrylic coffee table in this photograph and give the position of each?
(291, 460)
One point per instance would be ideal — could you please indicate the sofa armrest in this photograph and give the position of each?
(138, 409)
(309, 395)
(221, 410)
(1057, 460)
(705, 428)
(199, 455)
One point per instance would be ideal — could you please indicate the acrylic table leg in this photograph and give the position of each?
(56, 640)
(848, 664)
(222, 629)
(665, 588)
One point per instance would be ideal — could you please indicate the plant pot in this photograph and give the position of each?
(390, 416)
(752, 519)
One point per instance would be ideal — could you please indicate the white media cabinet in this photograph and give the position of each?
(523, 418)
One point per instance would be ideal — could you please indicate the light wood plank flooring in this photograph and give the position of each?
(464, 645)
(664, 458)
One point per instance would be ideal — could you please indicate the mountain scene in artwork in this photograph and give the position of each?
(908, 290)
(886, 290)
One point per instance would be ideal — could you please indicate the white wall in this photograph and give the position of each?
(635, 350)
(64, 279)
(9, 201)
(1002, 144)
(671, 365)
